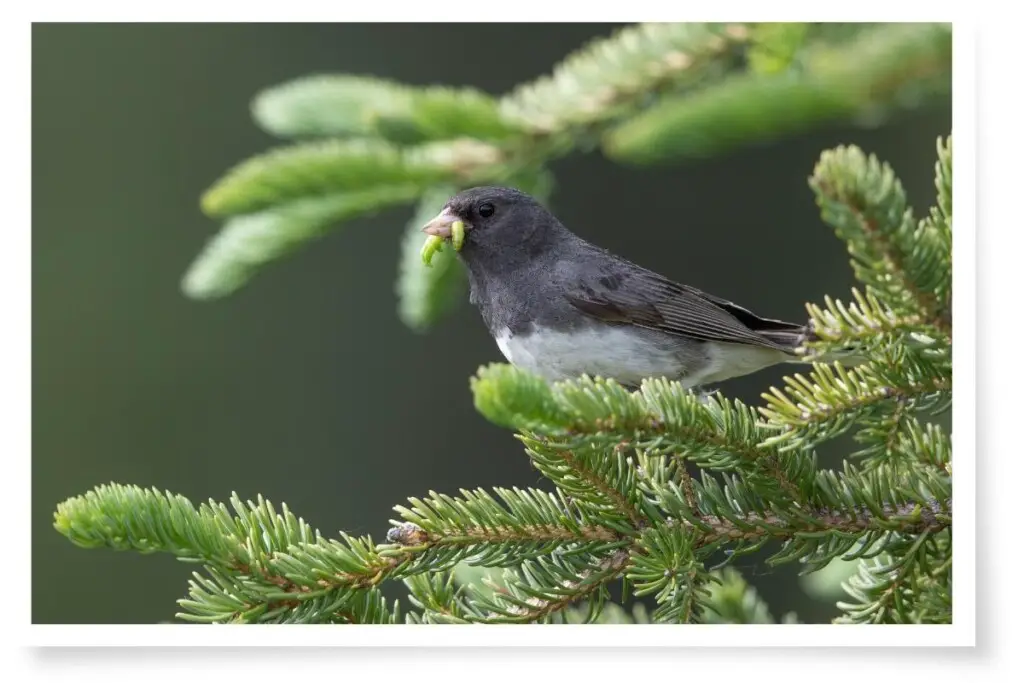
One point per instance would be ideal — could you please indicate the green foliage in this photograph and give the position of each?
(773, 47)
(248, 242)
(626, 507)
(792, 87)
(343, 105)
(316, 169)
(656, 491)
(355, 144)
(608, 79)
(732, 601)
(904, 263)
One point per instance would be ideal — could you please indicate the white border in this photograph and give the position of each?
(597, 636)
(962, 632)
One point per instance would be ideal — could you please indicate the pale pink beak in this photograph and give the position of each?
(441, 224)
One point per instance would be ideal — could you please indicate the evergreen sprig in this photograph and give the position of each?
(903, 262)
(251, 577)
(792, 84)
(608, 78)
(358, 106)
(593, 415)
(655, 489)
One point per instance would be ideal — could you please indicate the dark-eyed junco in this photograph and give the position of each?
(561, 307)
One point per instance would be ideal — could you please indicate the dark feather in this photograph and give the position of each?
(636, 296)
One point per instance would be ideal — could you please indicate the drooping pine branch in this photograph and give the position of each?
(316, 169)
(616, 75)
(249, 242)
(879, 69)
(359, 106)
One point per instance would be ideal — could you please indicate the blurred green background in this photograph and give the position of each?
(304, 386)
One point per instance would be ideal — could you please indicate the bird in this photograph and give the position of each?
(561, 307)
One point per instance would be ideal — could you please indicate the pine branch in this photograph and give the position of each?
(478, 529)
(546, 585)
(249, 242)
(846, 508)
(601, 483)
(943, 215)
(895, 588)
(329, 167)
(231, 598)
(346, 105)
(362, 137)
(439, 600)
(148, 520)
(818, 407)
(868, 325)
(882, 68)
(905, 264)
(664, 564)
(774, 46)
(611, 77)
(625, 506)
(547, 589)
(610, 613)
(245, 554)
(601, 415)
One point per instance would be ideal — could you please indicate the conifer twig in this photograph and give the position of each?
(614, 497)
(535, 608)
(894, 261)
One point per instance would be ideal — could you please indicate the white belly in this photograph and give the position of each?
(612, 353)
(629, 358)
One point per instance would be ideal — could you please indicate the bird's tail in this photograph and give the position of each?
(796, 338)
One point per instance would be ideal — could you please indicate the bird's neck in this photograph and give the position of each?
(495, 272)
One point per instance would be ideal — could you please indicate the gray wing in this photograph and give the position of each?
(635, 296)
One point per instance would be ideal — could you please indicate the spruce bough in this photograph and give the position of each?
(653, 488)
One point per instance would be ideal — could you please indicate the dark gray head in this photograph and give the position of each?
(504, 227)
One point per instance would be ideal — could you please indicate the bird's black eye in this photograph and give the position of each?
(486, 209)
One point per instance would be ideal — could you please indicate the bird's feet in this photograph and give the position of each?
(703, 395)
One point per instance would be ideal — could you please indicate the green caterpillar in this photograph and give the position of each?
(434, 243)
